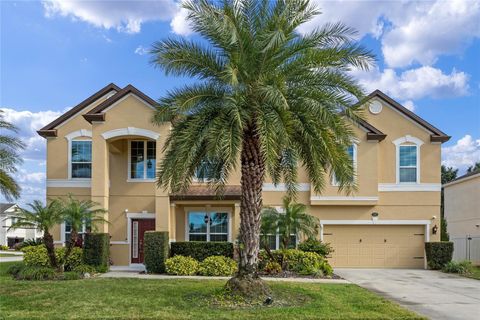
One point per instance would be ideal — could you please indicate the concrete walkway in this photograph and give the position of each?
(433, 294)
(13, 256)
(136, 275)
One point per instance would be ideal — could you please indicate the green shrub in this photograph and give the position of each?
(200, 250)
(36, 273)
(74, 259)
(4, 248)
(32, 242)
(317, 246)
(15, 268)
(438, 254)
(96, 249)
(101, 269)
(218, 266)
(71, 275)
(272, 267)
(301, 262)
(155, 251)
(37, 256)
(84, 268)
(462, 267)
(181, 266)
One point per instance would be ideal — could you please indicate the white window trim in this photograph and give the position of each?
(403, 141)
(129, 169)
(209, 210)
(73, 136)
(334, 181)
(63, 231)
(130, 131)
(282, 187)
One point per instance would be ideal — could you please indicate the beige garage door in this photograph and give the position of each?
(376, 246)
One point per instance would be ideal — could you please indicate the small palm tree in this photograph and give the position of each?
(43, 218)
(77, 213)
(268, 100)
(9, 159)
(293, 220)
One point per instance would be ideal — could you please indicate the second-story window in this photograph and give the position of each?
(142, 159)
(352, 153)
(81, 159)
(407, 163)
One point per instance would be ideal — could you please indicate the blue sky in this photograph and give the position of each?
(55, 54)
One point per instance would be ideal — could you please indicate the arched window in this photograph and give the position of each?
(79, 154)
(408, 159)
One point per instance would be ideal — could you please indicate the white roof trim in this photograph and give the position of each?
(281, 187)
(477, 175)
(130, 131)
(78, 133)
(407, 138)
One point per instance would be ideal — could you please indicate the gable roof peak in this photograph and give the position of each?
(50, 129)
(436, 134)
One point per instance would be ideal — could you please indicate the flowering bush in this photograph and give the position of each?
(181, 266)
(218, 266)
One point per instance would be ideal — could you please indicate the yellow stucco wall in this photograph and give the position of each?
(376, 163)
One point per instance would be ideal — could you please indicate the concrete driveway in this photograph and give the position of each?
(433, 294)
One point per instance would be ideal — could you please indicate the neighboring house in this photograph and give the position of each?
(462, 212)
(106, 149)
(13, 236)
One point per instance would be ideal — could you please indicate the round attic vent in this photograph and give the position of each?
(375, 107)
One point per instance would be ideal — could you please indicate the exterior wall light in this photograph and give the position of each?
(434, 229)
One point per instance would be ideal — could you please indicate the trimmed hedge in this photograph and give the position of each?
(200, 250)
(155, 247)
(438, 254)
(36, 256)
(96, 250)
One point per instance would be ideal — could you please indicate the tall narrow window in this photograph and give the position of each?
(142, 159)
(81, 160)
(352, 153)
(408, 164)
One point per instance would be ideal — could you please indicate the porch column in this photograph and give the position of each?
(236, 221)
(173, 222)
(162, 199)
(100, 176)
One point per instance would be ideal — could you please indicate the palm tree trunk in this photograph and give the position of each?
(70, 245)
(48, 242)
(246, 281)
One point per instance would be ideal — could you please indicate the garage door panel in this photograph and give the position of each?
(376, 245)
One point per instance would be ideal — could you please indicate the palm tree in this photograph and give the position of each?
(293, 220)
(43, 218)
(266, 99)
(474, 168)
(78, 213)
(9, 159)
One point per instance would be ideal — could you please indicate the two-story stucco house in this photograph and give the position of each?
(106, 149)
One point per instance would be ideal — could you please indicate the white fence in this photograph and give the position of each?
(467, 248)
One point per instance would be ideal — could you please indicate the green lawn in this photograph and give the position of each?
(475, 273)
(182, 299)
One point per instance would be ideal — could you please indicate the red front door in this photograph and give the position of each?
(139, 226)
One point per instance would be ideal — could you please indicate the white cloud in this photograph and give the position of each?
(180, 24)
(444, 28)
(463, 154)
(141, 50)
(410, 31)
(29, 122)
(32, 174)
(122, 15)
(409, 105)
(415, 83)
